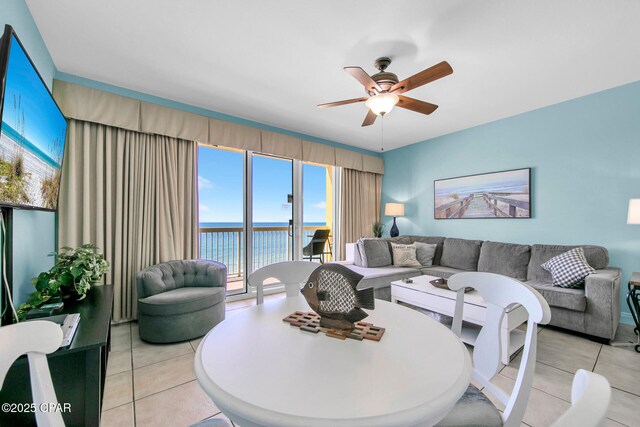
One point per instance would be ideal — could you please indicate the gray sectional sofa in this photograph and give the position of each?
(594, 310)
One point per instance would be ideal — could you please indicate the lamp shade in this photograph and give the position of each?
(394, 209)
(382, 103)
(634, 212)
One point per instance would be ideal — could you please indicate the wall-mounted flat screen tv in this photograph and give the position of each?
(33, 132)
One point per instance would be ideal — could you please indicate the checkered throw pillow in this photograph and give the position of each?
(569, 269)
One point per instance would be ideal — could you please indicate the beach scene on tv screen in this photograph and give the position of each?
(32, 137)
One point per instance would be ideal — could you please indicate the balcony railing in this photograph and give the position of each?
(270, 245)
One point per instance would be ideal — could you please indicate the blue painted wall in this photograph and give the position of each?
(584, 155)
(34, 232)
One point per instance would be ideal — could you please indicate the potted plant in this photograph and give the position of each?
(73, 274)
(378, 228)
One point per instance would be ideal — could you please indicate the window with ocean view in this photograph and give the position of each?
(221, 208)
(223, 179)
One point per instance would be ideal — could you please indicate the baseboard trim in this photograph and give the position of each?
(626, 319)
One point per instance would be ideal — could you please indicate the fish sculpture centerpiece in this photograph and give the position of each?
(331, 292)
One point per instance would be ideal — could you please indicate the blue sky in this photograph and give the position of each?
(220, 188)
(484, 182)
(43, 120)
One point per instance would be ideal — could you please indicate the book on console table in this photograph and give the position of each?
(68, 323)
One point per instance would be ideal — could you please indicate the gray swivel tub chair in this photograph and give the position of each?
(180, 300)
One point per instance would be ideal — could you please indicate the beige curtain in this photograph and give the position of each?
(133, 195)
(93, 105)
(360, 205)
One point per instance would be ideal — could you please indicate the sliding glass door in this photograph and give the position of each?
(257, 210)
(318, 212)
(272, 206)
(221, 181)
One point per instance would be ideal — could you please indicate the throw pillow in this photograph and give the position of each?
(425, 253)
(569, 269)
(374, 252)
(404, 255)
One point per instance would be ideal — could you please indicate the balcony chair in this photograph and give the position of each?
(36, 339)
(316, 247)
(180, 300)
(292, 274)
(590, 398)
(498, 292)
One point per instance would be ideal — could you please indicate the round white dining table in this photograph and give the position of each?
(261, 371)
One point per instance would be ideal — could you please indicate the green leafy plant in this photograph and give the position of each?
(378, 228)
(73, 274)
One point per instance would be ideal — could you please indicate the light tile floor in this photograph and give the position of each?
(154, 385)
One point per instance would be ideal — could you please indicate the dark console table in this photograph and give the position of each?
(633, 301)
(78, 371)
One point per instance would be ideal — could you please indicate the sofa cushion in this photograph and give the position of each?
(508, 259)
(403, 240)
(472, 409)
(571, 299)
(404, 255)
(597, 257)
(440, 271)
(181, 300)
(374, 252)
(431, 240)
(425, 253)
(569, 269)
(461, 253)
(180, 273)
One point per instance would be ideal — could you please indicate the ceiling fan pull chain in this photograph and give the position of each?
(381, 132)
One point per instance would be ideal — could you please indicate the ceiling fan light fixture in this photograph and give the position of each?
(382, 103)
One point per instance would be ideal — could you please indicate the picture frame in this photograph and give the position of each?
(501, 194)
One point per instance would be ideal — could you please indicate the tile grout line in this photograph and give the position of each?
(549, 394)
(624, 391)
(540, 390)
(555, 367)
(133, 389)
(160, 361)
(179, 385)
(115, 407)
(622, 424)
(597, 357)
(166, 389)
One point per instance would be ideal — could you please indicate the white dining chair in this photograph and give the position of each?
(289, 273)
(36, 339)
(498, 292)
(590, 398)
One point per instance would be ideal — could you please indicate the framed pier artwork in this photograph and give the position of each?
(504, 194)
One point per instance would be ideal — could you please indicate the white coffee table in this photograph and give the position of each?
(423, 294)
(261, 371)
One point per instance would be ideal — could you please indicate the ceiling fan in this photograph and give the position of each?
(385, 91)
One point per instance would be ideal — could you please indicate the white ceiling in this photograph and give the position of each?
(274, 61)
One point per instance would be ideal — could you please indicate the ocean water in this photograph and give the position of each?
(18, 139)
(227, 246)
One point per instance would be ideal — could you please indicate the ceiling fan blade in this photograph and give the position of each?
(360, 75)
(345, 102)
(415, 105)
(371, 117)
(423, 77)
